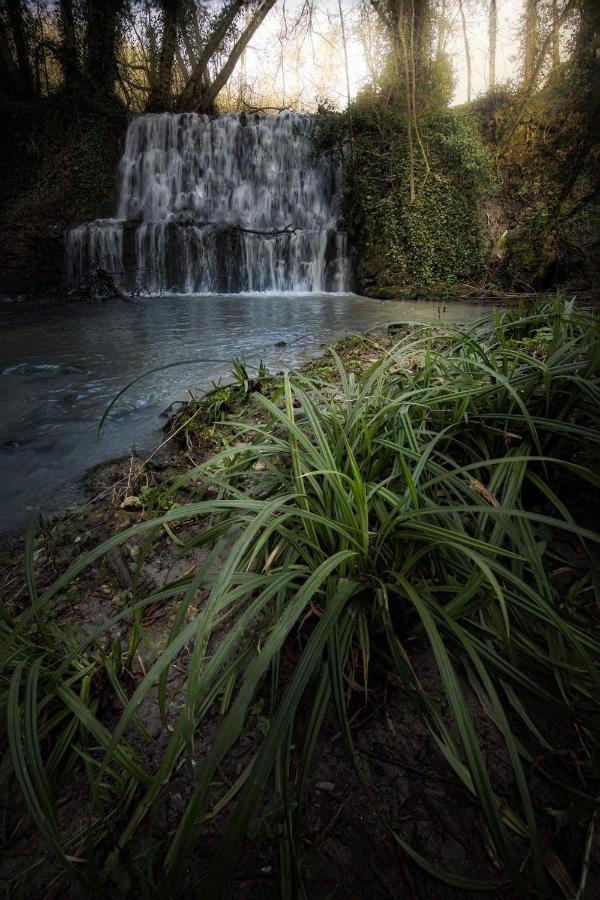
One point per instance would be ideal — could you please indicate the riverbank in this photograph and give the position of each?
(110, 489)
(62, 364)
(417, 490)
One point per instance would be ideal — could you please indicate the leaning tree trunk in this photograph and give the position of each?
(196, 84)
(205, 100)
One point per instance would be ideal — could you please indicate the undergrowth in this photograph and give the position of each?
(435, 496)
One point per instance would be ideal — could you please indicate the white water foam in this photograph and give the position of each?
(190, 184)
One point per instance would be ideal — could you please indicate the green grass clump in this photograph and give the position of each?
(430, 498)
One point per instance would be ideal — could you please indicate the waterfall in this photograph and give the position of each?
(193, 189)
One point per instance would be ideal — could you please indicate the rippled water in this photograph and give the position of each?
(61, 365)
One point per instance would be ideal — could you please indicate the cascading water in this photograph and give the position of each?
(189, 187)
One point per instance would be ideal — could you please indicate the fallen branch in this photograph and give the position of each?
(106, 280)
(262, 109)
(289, 229)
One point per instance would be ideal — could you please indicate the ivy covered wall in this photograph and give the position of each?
(402, 245)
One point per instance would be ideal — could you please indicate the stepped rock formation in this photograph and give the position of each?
(192, 191)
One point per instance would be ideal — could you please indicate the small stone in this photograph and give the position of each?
(326, 785)
(132, 503)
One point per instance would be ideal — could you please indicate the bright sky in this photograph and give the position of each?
(507, 46)
(314, 61)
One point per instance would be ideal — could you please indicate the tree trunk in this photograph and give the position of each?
(442, 29)
(347, 70)
(196, 85)
(555, 36)
(207, 101)
(160, 95)
(11, 82)
(409, 111)
(420, 31)
(17, 26)
(69, 59)
(410, 18)
(467, 48)
(417, 31)
(493, 38)
(101, 39)
(531, 42)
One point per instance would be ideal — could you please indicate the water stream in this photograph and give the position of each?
(60, 365)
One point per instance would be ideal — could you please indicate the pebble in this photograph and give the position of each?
(132, 502)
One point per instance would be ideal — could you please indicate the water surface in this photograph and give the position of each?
(60, 366)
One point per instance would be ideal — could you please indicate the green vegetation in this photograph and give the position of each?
(505, 188)
(437, 238)
(415, 176)
(548, 174)
(56, 168)
(439, 500)
(499, 194)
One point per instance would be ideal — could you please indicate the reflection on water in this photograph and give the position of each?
(60, 366)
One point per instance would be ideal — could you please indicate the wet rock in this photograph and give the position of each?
(396, 328)
(172, 408)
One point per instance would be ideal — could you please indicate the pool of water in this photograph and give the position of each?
(60, 366)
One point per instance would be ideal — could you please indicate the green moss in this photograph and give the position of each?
(435, 238)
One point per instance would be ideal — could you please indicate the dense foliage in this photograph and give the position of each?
(436, 502)
(416, 172)
(421, 202)
(545, 148)
(437, 238)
